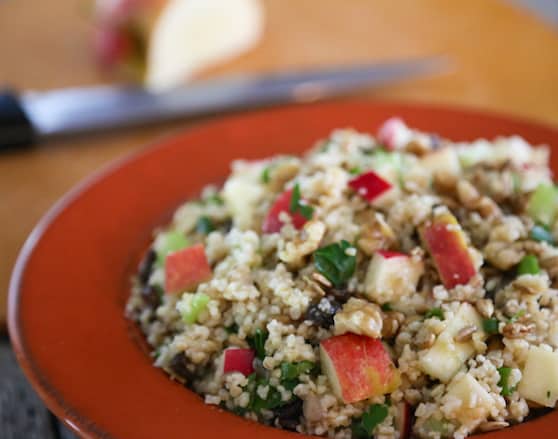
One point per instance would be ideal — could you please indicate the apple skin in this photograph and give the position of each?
(403, 420)
(370, 185)
(273, 224)
(392, 132)
(388, 254)
(186, 268)
(358, 367)
(238, 360)
(447, 245)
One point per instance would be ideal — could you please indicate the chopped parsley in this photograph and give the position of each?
(265, 174)
(387, 307)
(517, 315)
(355, 171)
(232, 329)
(257, 403)
(257, 342)
(434, 312)
(371, 418)
(548, 394)
(291, 371)
(215, 199)
(335, 263)
(204, 225)
(297, 205)
(490, 326)
(505, 373)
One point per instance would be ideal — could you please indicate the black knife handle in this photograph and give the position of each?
(16, 130)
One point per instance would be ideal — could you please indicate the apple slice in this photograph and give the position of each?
(185, 269)
(369, 185)
(273, 223)
(238, 360)
(391, 275)
(394, 134)
(476, 402)
(442, 161)
(358, 367)
(402, 420)
(444, 359)
(447, 245)
(540, 377)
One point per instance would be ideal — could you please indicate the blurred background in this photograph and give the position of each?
(504, 56)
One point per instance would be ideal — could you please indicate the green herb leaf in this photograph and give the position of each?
(528, 265)
(298, 205)
(517, 315)
(257, 342)
(334, 263)
(490, 326)
(232, 329)
(355, 171)
(265, 174)
(435, 312)
(371, 418)
(204, 225)
(542, 234)
(215, 199)
(387, 307)
(505, 373)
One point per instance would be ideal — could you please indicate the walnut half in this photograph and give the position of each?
(359, 317)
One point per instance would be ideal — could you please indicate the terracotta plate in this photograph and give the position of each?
(71, 280)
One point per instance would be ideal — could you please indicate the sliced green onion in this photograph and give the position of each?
(191, 311)
(543, 204)
(490, 326)
(169, 242)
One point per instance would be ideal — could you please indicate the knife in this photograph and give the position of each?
(36, 116)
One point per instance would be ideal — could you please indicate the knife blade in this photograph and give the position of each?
(35, 116)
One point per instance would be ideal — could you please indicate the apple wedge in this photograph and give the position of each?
(391, 275)
(358, 367)
(540, 377)
(238, 360)
(476, 402)
(444, 359)
(442, 161)
(185, 269)
(446, 242)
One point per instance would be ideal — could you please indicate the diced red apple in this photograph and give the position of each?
(392, 275)
(403, 420)
(238, 360)
(393, 133)
(447, 245)
(273, 223)
(111, 46)
(358, 367)
(370, 185)
(186, 268)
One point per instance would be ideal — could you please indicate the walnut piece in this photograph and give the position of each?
(359, 317)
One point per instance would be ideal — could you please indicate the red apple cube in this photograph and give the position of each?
(186, 268)
(370, 185)
(393, 133)
(392, 275)
(273, 224)
(402, 420)
(238, 360)
(358, 367)
(447, 245)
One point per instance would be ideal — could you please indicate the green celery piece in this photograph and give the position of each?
(543, 204)
(197, 305)
(528, 265)
(169, 242)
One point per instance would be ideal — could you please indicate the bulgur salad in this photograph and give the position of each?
(390, 286)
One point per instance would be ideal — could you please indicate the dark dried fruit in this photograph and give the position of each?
(321, 313)
(288, 415)
(341, 294)
(151, 296)
(179, 367)
(146, 266)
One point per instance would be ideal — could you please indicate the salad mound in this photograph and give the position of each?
(390, 286)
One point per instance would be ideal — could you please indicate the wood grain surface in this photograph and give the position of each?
(503, 59)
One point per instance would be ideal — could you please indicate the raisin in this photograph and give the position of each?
(146, 266)
(321, 313)
(151, 296)
(179, 367)
(288, 415)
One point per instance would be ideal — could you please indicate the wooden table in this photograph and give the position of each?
(504, 59)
